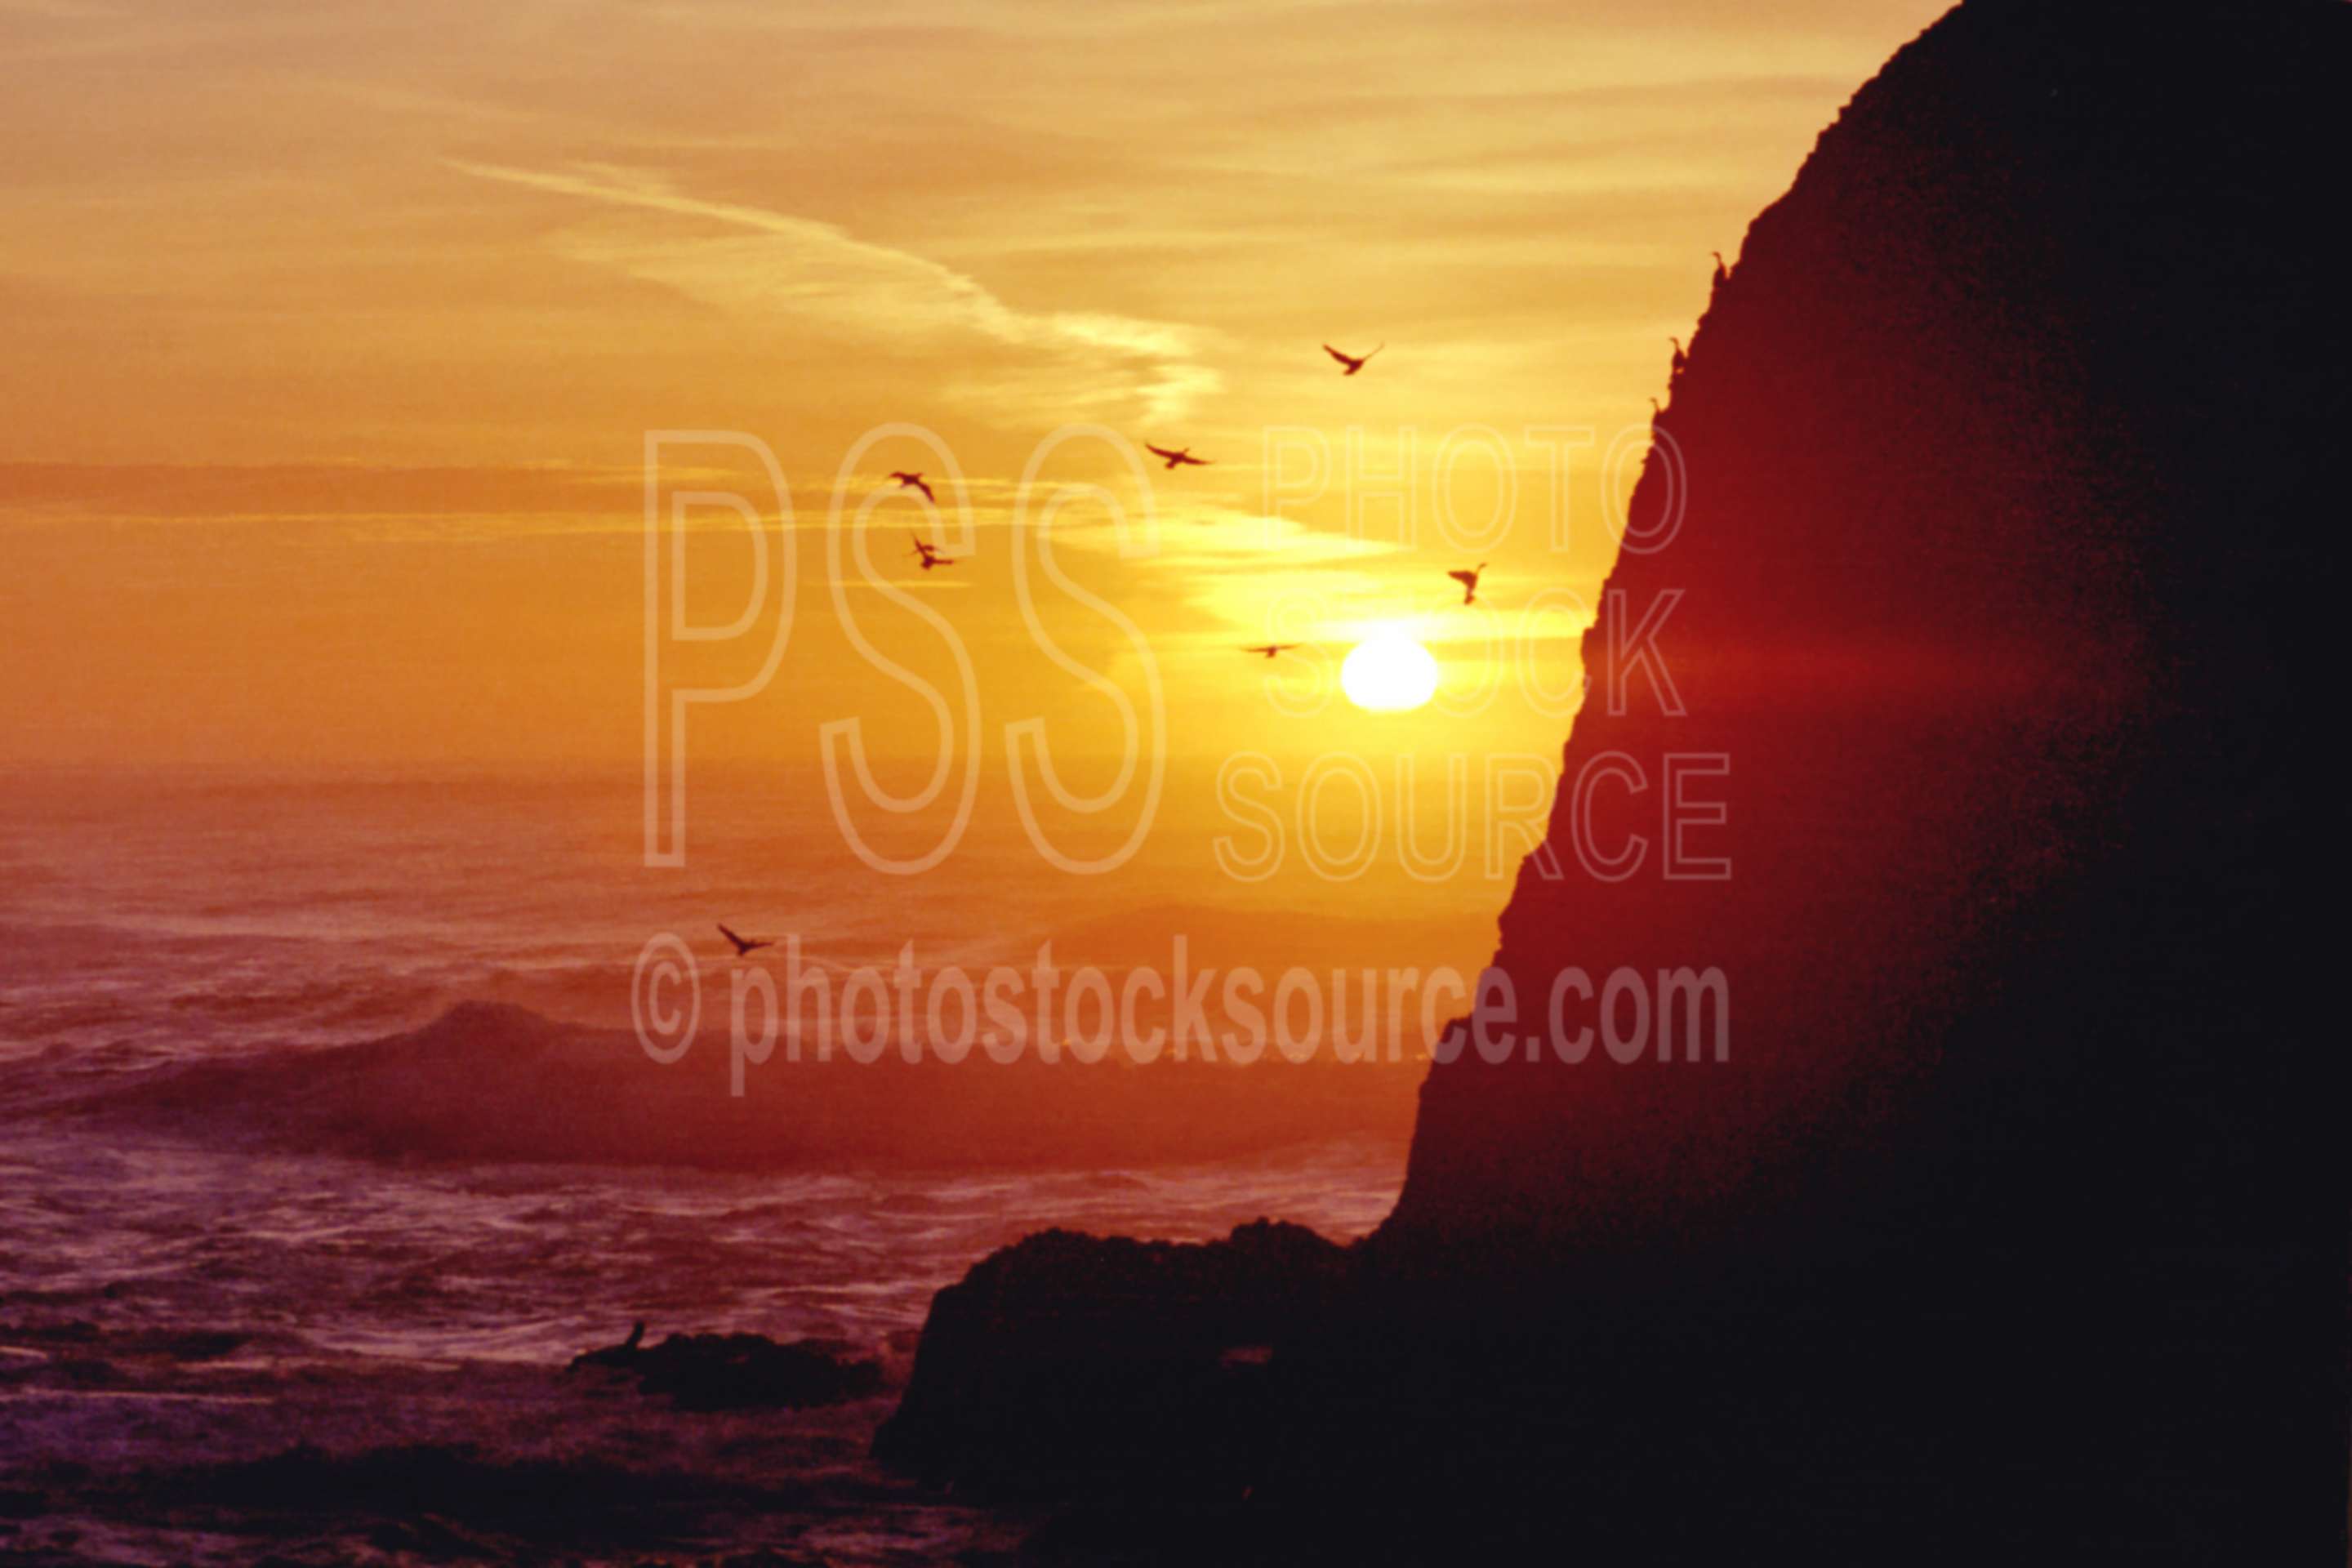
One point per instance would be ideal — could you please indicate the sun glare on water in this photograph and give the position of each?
(1389, 673)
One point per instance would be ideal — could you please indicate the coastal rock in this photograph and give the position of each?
(1985, 523)
(740, 1370)
(1071, 1363)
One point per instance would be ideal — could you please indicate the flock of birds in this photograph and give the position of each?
(1171, 458)
(1182, 458)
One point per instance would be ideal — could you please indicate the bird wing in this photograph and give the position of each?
(730, 936)
(1467, 579)
(1196, 462)
(1158, 451)
(925, 489)
(1343, 359)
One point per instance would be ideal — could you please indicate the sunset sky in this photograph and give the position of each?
(333, 333)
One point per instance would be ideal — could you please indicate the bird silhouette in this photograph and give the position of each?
(1182, 456)
(1270, 648)
(915, 482)
(1469, 580)
(744, 944)
(1349, 364)
(931, 554)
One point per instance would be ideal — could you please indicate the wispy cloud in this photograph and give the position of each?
(814, 276)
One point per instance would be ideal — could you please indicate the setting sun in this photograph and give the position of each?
(1389, 673)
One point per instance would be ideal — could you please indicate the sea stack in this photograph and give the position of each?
(1981, 557)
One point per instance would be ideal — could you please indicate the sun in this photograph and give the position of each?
(1389, 672)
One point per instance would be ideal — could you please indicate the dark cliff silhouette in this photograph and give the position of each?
(2011, 1227)
(2009, 450)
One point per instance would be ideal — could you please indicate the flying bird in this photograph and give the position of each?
(1349, 364)
(1182, 456)
(930, 553)
(915, 482)
(1271, 648)
(744, 944)
(1469, 580)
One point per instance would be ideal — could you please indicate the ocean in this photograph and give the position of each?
(242, 1347)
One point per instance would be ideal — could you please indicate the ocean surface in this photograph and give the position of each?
(215, 1352)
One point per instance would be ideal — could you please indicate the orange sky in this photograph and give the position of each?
(332, 333)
